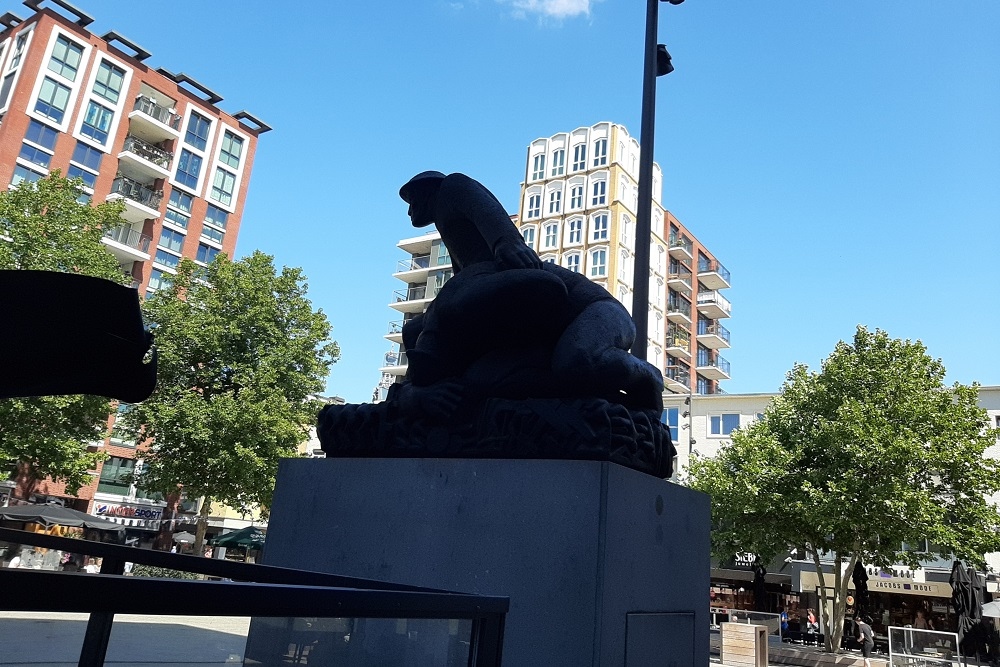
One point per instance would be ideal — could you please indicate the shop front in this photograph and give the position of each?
(141, 521)
(733, 587)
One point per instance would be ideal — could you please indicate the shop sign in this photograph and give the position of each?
(883, 584)
(128, 512)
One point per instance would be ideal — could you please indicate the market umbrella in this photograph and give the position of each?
(250, 537)
(57, 515)
(184, 537)
(860, 578)
(963, 598)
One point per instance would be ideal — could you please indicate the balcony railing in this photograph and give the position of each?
(717, 362)
(411, 294)
(713, 266)
(396, 327)
(713, 297)
(413, 264)
(682, 307)
(678, 339)
(682, 273)
(129, 237)
(677, 374)
(156, 112)
(395, 358)
(147, 151)
(713, 329)
(682, 242)
(137, 192)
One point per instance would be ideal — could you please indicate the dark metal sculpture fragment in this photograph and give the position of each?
(513, 359)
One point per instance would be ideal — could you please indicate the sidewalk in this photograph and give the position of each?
(805, 656)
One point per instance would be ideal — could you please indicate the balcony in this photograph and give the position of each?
(679, 344)
(394, 363)
(713, 305)
(679, 312)
(126, 244)
(413, 269)
(141, 202)
(713, 275)
(713, 336)
(681, 247)
(395, 333)
(713, 369)
(679, 279)
(676, 379)
(413, 299)
(143, 161)
(152, 122)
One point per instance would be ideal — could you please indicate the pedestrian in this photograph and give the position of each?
(783, 616)
(865, 637)
(812, 626)
(91, 567)
(921, 622)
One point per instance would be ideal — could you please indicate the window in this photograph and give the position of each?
(206, 253)
(158, 280)
(600, 194)
(598, 263)
(627, 231)
(88, 178)
(576, 197)
(40, 134)
(212, 234)
(35, 155)
(232, 149)
(109, 81)
(529, 236)
(176, 218)
(579, 157)
(88, 156)
(188, 169)
(114, 475)
(222, 186)
(97, 122)
(573, 262)
(216, 217)
(704, 356)
(52, 100)
(555, 201)
(171, 240)
(167, 259)
(559, 162)
(576, 230)
(119, 435)
(8, 82)
(724, 424)
(600, 152)
(551, 235)
(197, 131)
(538, 170)
(181, 201)
(534, 206)
(599, 230)
(15, 60)
(65, 60)
(22, 173)
(548, 259)
(623, 272)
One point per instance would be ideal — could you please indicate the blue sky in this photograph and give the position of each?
(842, 159)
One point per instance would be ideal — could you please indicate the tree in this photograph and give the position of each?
(44, 227)
(241, 353)
(872, 452)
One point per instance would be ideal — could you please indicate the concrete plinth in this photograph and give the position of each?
(603, 565)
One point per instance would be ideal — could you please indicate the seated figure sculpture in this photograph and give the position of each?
(513, 358)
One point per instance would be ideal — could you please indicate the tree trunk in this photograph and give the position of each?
(199, 533)
(25, 482)
(834, 609)
(165, 538)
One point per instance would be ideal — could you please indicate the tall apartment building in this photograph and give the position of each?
(91, 107)
(579, 202)
(578, 207)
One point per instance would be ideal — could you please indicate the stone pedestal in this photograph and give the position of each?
(603, 565)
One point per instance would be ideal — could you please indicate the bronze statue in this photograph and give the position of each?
(512, 358)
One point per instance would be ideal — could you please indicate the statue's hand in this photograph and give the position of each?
(437, 401)
(516, 256)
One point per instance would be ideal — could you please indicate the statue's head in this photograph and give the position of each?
(420, 193)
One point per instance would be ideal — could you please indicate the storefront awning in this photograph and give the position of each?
(810, 581)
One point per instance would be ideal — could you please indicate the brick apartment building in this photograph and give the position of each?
(91, 107)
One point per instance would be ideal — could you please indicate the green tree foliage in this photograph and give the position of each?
(44, 227)
(241, 353)
(872, 452)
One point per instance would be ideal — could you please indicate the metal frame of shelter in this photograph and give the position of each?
(255, 591)
(913, 646)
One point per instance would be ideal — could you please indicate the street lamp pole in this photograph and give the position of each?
(656, 62)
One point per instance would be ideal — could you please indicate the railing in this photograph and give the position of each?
(713, 266)
(281, 602)
(678, 339)
(396, 327)
(156, 112)
(137, 192)
(713, 329)
(717, 362)
(129, 237)
(682, 307)
(680, 274)
(681, 242)
(394, 358)
(677, 374)
(716, 298)
(411, 294)
(413, 264)
(147, 151)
